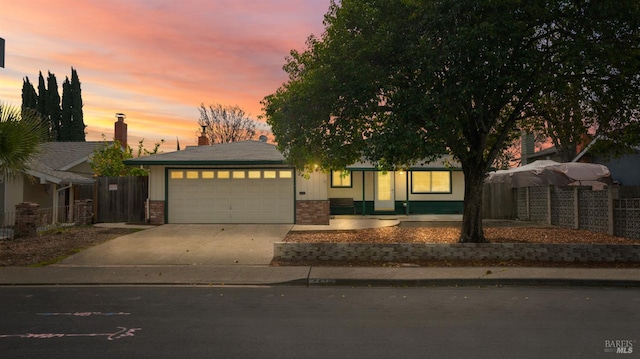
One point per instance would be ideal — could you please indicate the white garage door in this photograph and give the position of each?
(230, 196)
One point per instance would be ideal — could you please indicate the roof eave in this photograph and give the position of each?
(136, 162)
(44, 176)
(74, 163)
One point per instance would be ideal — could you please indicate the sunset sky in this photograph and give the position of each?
(155, 60)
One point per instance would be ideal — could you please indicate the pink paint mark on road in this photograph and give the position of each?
(122, 332)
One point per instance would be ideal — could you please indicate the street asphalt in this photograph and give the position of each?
(240, 254)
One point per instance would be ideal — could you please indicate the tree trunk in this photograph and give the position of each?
(472, 231)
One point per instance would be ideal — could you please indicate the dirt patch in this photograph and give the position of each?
(54, 245)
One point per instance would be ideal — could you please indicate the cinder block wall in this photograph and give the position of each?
(406, 252)
(615, 210)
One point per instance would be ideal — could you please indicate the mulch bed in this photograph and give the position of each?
(54, 245)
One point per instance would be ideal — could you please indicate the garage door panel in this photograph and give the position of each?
(230, 198)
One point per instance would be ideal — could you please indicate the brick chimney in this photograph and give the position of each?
(120, 130)
(527, 147)
(203, 140)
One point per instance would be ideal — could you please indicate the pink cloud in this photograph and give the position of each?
(157, 60)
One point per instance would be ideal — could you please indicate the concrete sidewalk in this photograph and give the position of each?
(317, 276)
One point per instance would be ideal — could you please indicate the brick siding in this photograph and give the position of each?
(84, 211)
(156, 212)
(26, 219)
(312, 212)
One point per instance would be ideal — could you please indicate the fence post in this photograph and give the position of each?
(26, 219)
(576, 208)
(549, 206)
(528, 203)
(611, 196)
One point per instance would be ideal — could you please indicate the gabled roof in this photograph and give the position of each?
(234, 153)
(64, 155)
(56, 158)
(591, 144)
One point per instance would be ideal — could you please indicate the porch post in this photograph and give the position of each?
(363, 192)
(406, 189)
(56, 201)
(70, 218)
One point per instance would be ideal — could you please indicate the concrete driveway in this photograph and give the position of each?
(187, 244)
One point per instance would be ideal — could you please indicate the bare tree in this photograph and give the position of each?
(224, 124)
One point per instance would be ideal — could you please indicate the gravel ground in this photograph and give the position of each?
(451, 235)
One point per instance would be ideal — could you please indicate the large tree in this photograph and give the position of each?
(224, 124)
(20, 134)
(46, 102)
(401, 81)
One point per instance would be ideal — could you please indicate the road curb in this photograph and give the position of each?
(327, 282)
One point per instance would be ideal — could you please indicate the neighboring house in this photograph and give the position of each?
(548, 154)
(250, 182)
(625, 170)
(58, 175)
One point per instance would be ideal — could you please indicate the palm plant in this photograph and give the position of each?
(21, 133)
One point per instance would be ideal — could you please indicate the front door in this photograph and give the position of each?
(384, 195)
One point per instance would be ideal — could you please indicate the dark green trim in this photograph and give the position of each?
(350, 180)
(416, 169)
(416, 207)
(406, 190)
(166, 195)
(364, 194)
(445, 192)
(295, 196)
(141, 161)
(166, 182)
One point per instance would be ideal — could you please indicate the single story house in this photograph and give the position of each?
(624, 169)
(58, 175)
(251, 182)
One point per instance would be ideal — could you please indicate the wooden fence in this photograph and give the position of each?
(122, 199)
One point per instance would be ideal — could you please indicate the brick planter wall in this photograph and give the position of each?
(406, 252)
(312, 212)
(26, 219)
(84, 211)
(156, 212)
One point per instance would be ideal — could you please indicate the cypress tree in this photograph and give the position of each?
(29, 95)
(77, 116)
(65, 116)
(53, 107)
(41, 106)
